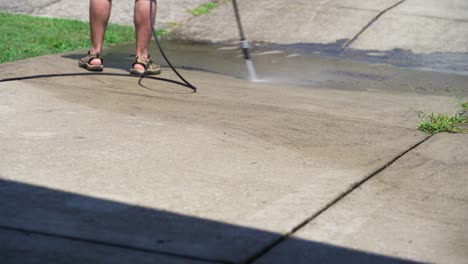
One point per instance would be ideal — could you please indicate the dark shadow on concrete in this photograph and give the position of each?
(42, 225)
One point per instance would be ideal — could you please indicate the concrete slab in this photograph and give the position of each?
(415, 25)
(421, 27)
(297, 21)
(448, 9)
(219, 174)
(416, 209)
(378, 5)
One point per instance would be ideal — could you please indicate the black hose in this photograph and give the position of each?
(188, 84)
(40, 76)
(183, 83)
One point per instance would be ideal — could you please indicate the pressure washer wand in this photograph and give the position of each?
(245, 45)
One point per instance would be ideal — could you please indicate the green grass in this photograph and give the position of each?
(465, 106)
(204, 8)
(25, 36)
(434, 124)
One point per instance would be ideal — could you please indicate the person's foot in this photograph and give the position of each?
(96, 62)
(92, 62)
(145, 66)
(138, 67)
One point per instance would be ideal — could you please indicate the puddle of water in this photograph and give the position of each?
(317, 65)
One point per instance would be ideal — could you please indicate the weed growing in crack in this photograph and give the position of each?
(204, 9)
(465, 106)
(207, 7)
(437, 123)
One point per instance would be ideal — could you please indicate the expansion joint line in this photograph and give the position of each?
(351, 41)
(352, 188)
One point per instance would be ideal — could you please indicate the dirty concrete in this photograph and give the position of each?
(419, 211)
(217, 175)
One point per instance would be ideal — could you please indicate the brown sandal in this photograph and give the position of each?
(85, 62)
(150, 68)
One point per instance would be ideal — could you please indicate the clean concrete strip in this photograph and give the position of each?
(351, 41)
(297, 21)
(417, 209)
(420, 26)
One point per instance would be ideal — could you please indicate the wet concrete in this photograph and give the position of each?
(315, 65)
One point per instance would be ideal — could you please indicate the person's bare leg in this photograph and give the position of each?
(143, 28)
(99, 13)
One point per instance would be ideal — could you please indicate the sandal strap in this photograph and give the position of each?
(143, 62)
(91, 57)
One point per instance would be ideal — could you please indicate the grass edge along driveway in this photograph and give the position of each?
(24, 36)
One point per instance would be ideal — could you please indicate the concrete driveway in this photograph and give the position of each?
(101, 169)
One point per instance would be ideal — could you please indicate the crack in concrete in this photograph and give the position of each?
(253, 258)
(435, 17)
(342, 196)
(351, 41)
(355, 8)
